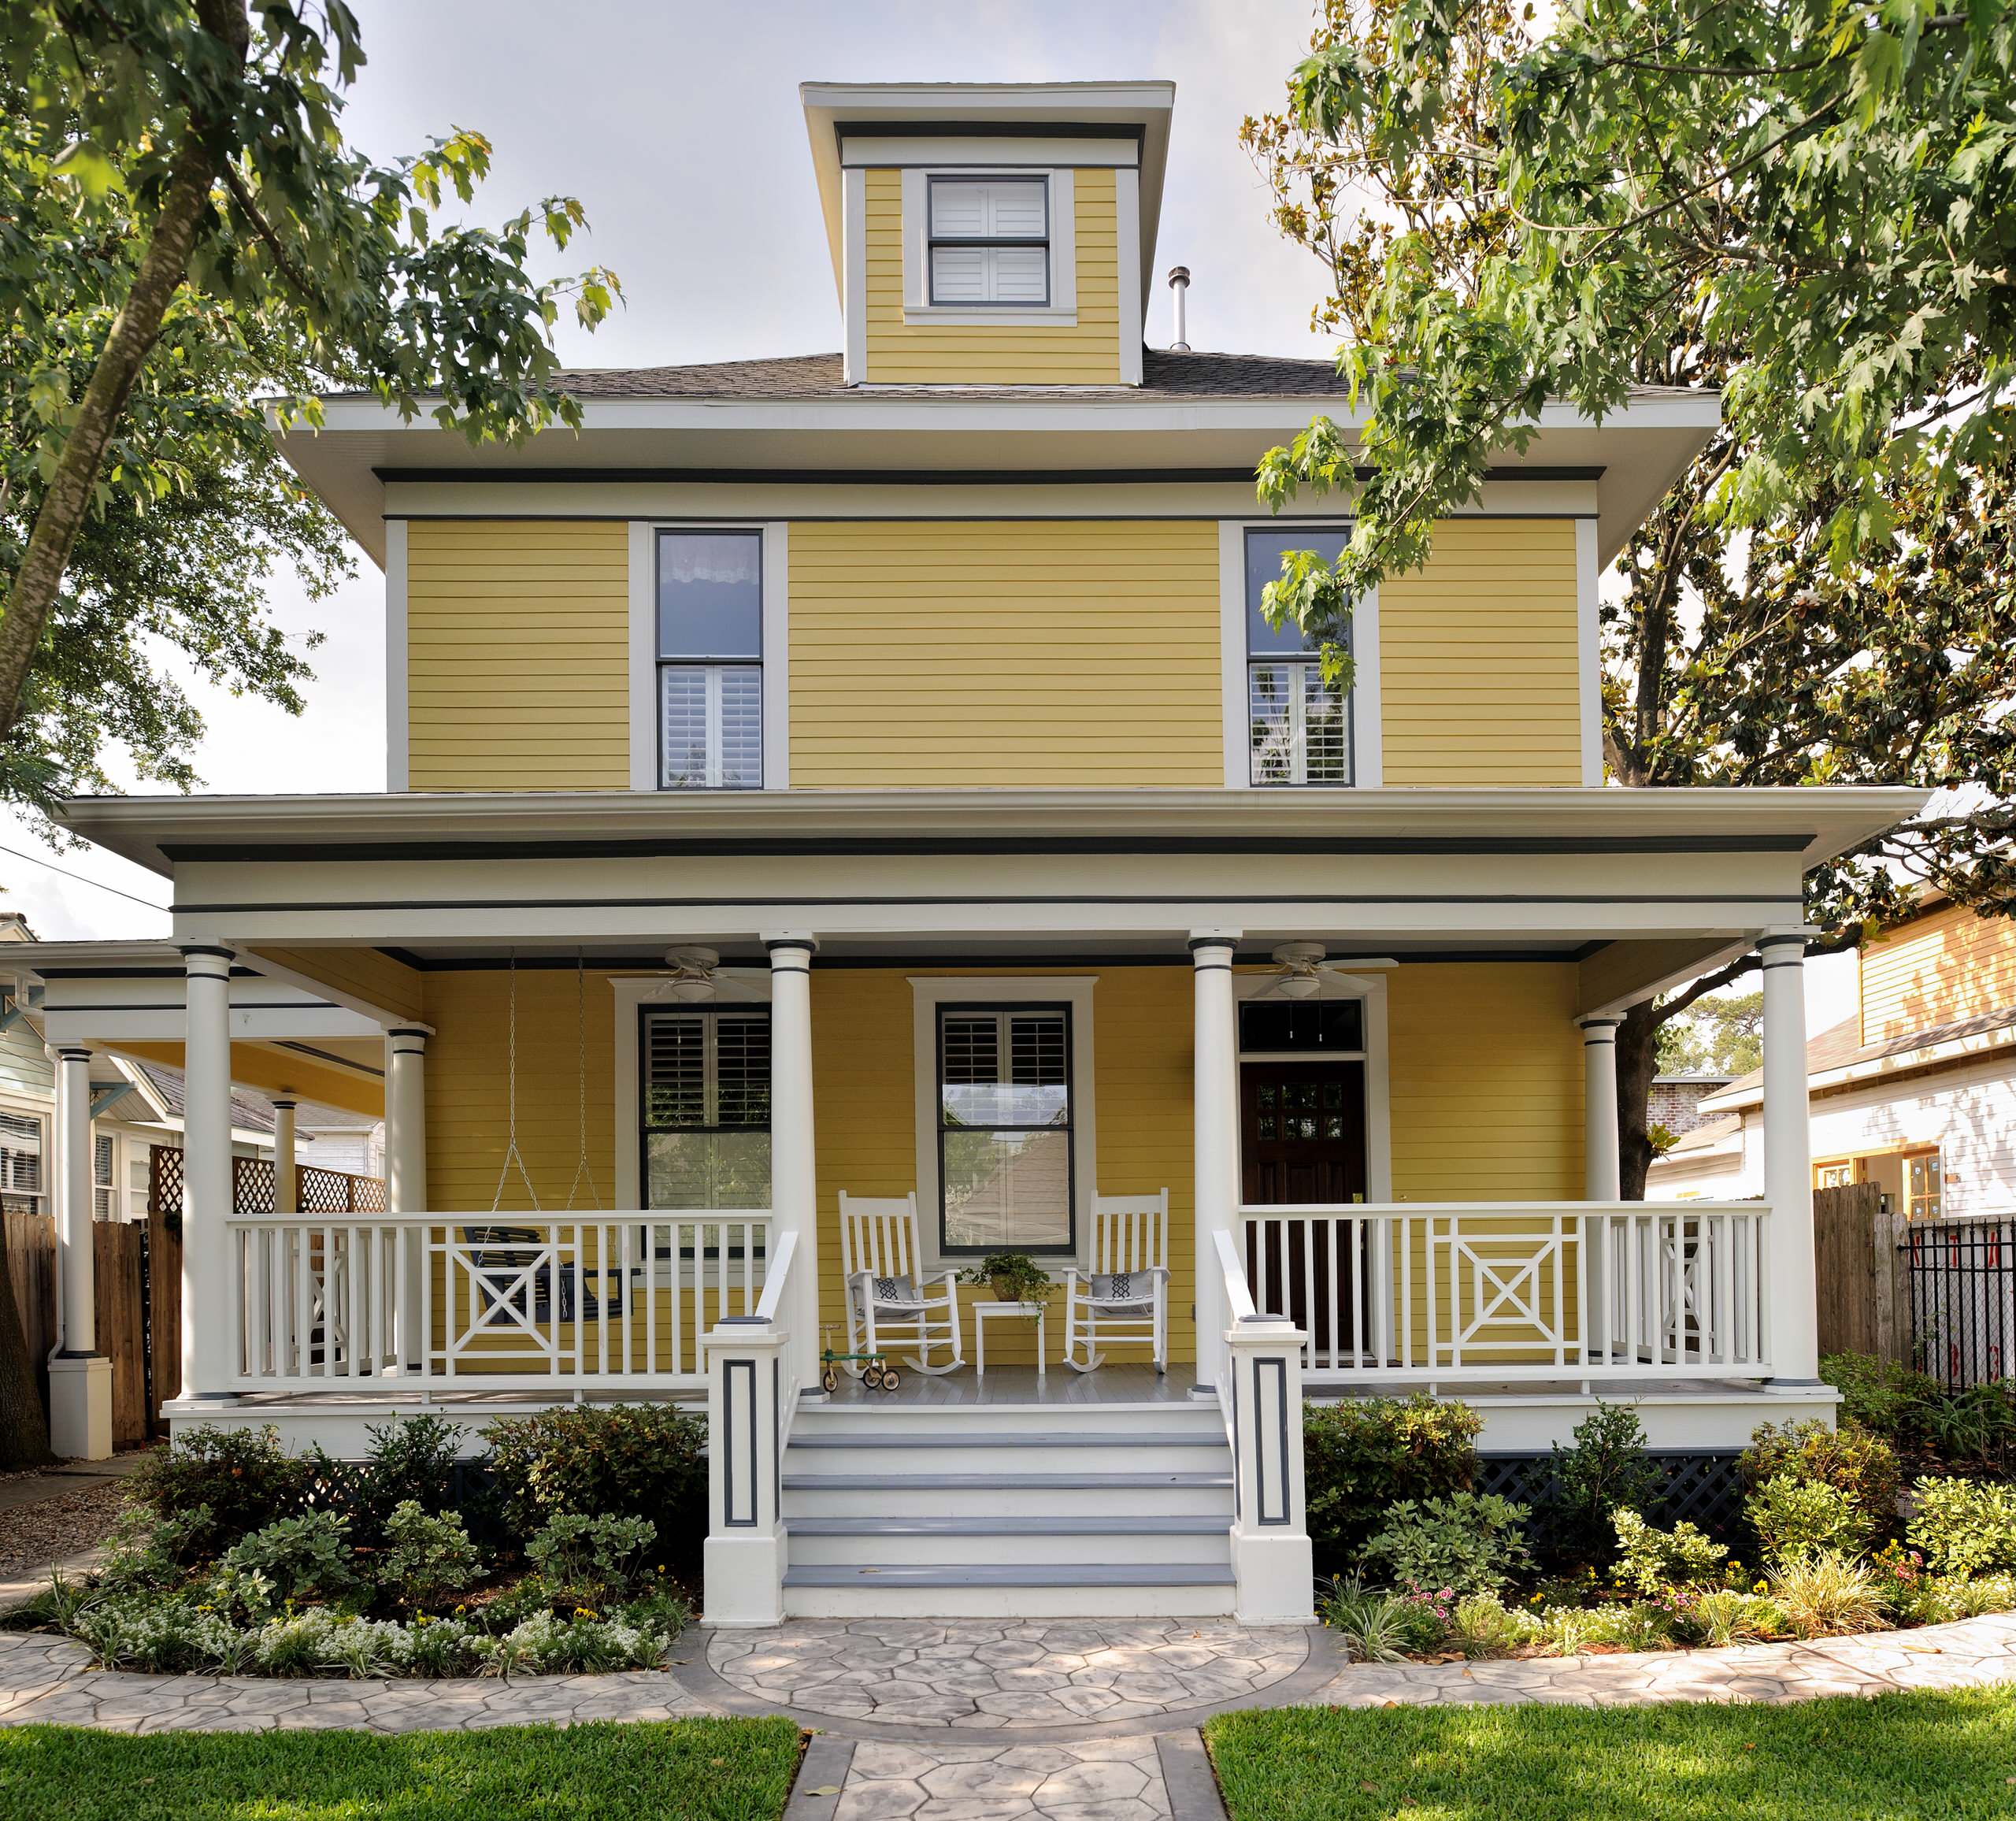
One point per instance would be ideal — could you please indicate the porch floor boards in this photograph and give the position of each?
(1131, 1383)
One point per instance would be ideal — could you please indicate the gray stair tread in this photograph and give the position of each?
(1016, 1575)
(865, 1482)
(1200, 1438)
(1203, 1524)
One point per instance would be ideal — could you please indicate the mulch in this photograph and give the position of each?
(32, 1537)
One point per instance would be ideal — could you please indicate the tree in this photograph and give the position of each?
(184, 234)
(1723, 1034)
(1792, 201)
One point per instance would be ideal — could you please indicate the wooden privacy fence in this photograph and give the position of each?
(1863, 1286)
(138, 1311)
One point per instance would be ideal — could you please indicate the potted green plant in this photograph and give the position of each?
(1016, 1277)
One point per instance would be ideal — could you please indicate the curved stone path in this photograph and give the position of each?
(911, 1733)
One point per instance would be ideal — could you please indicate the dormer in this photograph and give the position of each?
(991, 234)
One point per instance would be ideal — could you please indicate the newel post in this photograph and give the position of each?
(745, 1552)
(1270, 1547)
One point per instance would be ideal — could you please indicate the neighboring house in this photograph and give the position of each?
(871, 773)
(1916, 1092)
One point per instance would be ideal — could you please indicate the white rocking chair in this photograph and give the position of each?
(1124, 1299)
(885, 1291)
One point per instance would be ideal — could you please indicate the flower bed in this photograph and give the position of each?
(234, 1558)
(1835, 1545)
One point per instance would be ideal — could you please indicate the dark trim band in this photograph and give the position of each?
(907, 477)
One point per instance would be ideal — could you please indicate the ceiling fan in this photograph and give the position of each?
(1302, 967)
(697, 975)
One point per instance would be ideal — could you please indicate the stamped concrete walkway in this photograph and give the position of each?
(914, 1726)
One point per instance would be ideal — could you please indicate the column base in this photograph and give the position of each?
(745, 1578)
(80, 1406)
(1275, 1575)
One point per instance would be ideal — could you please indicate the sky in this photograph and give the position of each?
(678, 126)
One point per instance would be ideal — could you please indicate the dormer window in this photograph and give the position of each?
(989, 241)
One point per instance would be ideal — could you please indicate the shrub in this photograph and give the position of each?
(1482, 1625)
(426, 1559)
(1606, 1470)
(622, 1460)
(1882, 1397)
(1828, 1594)
(1794, 1518)
(303, 1558)
(592, 1561)
(1863, 1467)
(245, 1477)
(1360, 1457)
(545, 1645)
(1964, 1527)
(1380, 1625)
(1728, 1615)
(410, 1460)
(149, 1550)
(1651, 1560)
(1466, 1542)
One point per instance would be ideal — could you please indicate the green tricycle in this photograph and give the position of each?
(877, 1373)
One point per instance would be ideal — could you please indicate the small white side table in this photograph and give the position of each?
(982, 1309)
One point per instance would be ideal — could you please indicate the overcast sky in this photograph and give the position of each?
(678, 125)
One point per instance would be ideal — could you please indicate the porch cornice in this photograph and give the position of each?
(157, 832)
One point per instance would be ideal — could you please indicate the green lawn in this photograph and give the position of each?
(693, 1770)
(1905, 1755)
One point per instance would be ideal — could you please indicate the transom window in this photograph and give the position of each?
(710, 660)
(704, 1076)
(1298, 727)
(989, 240)
(23, 1187)
(1005, 1128)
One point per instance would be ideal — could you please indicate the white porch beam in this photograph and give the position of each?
(208, 1325)
(1601, 1165)
(79, 1377)
(1214, 1114)
(794, 1178)
(1791, 1295)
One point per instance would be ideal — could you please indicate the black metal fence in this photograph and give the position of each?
(1963, 1299)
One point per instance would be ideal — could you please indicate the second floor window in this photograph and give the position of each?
(1298, 727)
(989, 240)
(710, 660)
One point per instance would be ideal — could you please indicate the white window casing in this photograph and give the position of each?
(397, 685)
(989, 286)
(929, 993)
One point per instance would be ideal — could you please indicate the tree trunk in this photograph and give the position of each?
(24, 1428)
(1637, 1062)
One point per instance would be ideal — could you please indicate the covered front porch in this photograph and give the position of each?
(1358, 1056)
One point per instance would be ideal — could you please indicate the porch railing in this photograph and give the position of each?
(1492, 1291)
(489, 1301)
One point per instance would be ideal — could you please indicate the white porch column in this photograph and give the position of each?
(287, 1185)
(208, 1332)
(1790, 1296)
(794, 1175)
(406, 1175)
(79, 1377)
(1214, 1119)
(1602, 1171)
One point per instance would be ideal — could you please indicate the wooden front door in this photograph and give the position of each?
(1302, 1140)
(1302, 1132)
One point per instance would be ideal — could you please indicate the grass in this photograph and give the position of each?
(1903, 1755)
(689, 1769)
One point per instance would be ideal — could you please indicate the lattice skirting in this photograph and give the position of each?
(1704, 1489)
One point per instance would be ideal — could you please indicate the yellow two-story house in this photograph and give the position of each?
(848, 817)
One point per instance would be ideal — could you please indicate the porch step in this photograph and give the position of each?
(1035, 1542)
(1020, 1575)
(863, 1452)
(1129, 1589)
(1012, 1438)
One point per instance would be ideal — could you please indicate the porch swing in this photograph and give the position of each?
(519, 1268)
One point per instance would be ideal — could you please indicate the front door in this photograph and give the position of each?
(1302, 1140)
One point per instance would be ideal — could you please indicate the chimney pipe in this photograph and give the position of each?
(1179, 283)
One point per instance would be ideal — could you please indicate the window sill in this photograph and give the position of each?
(983, 316)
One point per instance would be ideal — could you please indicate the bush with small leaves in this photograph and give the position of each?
(151, 1549)
(1861, 1467)
(1964, 1527)
(619, 1460)
(1796, 1518)
(1363, 1455)
(1467, 1542)
(1605, 1470)
(243, 1476)
(411, 1460)
(1651, 1560)
(426, 1559)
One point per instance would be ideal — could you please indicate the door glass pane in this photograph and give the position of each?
(710, 594)
(1010, 1189)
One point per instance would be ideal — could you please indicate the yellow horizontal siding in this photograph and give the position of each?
(1478, 672)
(517, 654)
(1016, 353)
(1951, 964)
(956, 653)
